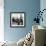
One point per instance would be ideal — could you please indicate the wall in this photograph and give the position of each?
(30, 7)
(43, 6)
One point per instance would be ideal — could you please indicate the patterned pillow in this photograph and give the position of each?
(28, 40)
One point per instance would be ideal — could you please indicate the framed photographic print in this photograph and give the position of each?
(17, 19)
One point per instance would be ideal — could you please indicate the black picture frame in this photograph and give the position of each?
(17, 19)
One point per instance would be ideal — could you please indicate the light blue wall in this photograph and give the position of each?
(30, 7)
(43, 6)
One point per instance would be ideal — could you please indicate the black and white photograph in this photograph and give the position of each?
(17, 19)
